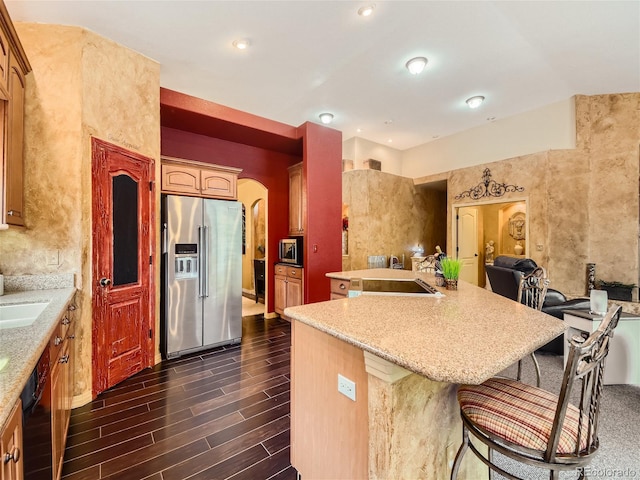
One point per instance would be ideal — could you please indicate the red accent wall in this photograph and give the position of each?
(322, 169)
(197, 129)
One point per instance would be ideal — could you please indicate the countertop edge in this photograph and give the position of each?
(41, 331)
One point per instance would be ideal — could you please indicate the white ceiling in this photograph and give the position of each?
(307, 57)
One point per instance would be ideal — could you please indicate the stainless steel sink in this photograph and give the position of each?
(399, 287)
(20, 314)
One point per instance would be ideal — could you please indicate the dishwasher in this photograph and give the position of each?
(36, 422)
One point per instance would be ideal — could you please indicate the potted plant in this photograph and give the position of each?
(451, 271)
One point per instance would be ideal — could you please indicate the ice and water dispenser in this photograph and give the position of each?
(186, 263)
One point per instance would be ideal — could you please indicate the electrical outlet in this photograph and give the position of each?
(347, 387)
(539, 247)
(53, 257)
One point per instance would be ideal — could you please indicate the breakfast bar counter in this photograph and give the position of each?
(406, 356)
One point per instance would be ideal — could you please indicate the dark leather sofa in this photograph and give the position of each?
(504, 276)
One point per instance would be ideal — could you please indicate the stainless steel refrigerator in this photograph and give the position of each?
(202, 270)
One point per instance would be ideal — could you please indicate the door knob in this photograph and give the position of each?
(105, 282)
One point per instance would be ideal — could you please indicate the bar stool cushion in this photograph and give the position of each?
(521, 414)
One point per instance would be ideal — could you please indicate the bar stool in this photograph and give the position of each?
(536, 427)
(531, 292)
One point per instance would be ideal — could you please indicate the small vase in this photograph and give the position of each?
(518, 248)
(451, 284)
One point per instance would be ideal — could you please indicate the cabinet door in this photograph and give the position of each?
(11, 445)
(180, 179)
(294, 292)
(57, 412)
(280, 293)
(296, 201)
(218, 184)
(14, 201)
(4, 65)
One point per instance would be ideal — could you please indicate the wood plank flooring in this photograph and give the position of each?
(220, 414)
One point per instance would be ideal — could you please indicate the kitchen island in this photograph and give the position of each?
(406, 356)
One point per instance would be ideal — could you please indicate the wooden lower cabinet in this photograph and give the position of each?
(288, 287)
(62, 364)
(11, 445)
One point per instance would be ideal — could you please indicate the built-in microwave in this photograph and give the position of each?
(290, 250)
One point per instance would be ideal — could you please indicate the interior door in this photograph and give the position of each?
(468, 243)
(123, 307)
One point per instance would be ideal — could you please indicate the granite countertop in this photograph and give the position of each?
(466, 336)
(21, 347)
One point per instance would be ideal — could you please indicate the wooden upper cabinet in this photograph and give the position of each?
(4, 65)
(180, 179)
(218, 184)
(185, 177)
(14, 169)
(14, 67)
(297, 201)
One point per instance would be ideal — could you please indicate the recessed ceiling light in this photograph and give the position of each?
(359, 130)
(390, 141)
(241, 44)
(366, 11)
(326, 118)
(474, 102)
(416, 65)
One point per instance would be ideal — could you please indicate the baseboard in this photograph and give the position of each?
(81, 400)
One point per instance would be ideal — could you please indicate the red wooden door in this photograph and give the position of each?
(123, 298)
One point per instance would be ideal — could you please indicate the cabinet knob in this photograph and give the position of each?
(71, 307)
(10, 213)
(64, 359)
(66, 321)
(57, 341)
(71, 337)
(342, 286)
(105, 282)
(14, 455)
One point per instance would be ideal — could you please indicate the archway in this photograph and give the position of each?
(253, 196)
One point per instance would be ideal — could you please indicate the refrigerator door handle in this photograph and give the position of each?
(205, 271)
(202, 272)
(165, 238)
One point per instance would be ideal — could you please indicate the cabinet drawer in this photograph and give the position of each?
(294, 272)
(340, 287)
(281, 270)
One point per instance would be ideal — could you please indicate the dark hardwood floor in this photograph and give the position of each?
(219, 414)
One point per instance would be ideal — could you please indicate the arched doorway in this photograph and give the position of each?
(253, 196)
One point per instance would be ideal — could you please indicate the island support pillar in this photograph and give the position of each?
(414, 425)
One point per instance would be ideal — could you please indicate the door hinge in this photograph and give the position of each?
(150, 259)
(150, 333)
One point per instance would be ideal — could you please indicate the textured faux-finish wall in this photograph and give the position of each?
(82, 85)
(583, 202)
(388, 215)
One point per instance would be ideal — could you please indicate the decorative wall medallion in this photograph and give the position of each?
(516, 225)
(488, 188)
